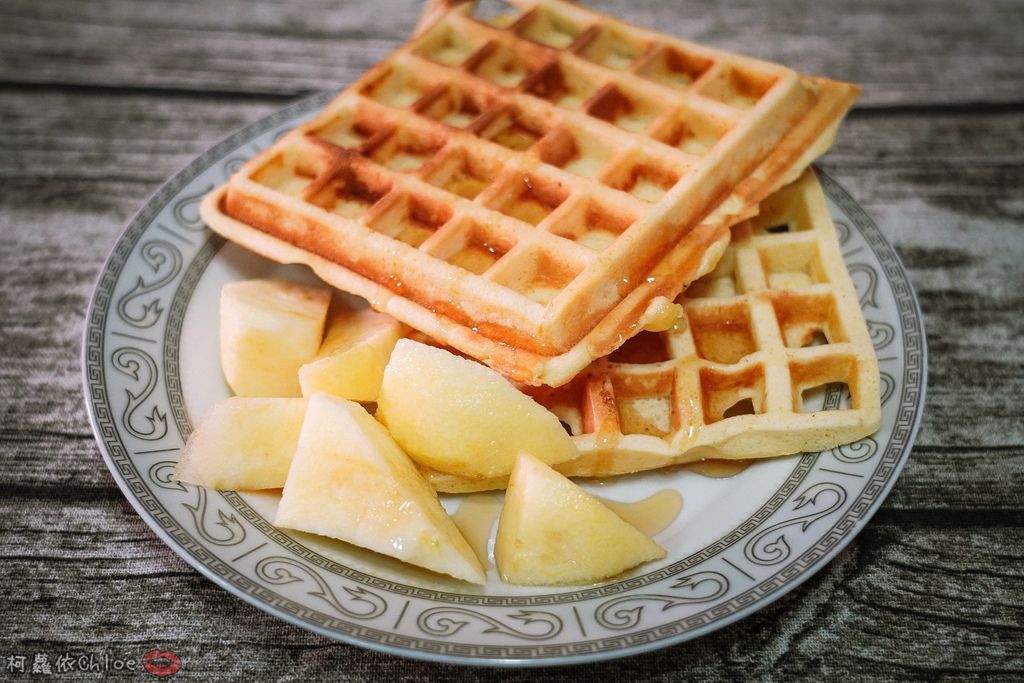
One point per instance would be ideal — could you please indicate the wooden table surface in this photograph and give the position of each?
(100, 102)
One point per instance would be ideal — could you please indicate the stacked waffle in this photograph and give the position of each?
(536, 191)
(772, 356)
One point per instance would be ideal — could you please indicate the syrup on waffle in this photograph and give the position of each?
(532, 194)
(768, 337)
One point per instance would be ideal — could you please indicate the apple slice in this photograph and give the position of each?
(457, 416)
(553, 532)
(243, 444)
(268, 329)
(349, 480)
(351, 360)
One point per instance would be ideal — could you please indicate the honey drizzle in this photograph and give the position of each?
(650, 515)
(717, 468)
(475, 517)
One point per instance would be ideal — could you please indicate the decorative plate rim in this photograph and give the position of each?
(93, 380)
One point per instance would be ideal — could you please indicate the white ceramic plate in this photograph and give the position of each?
(151, 368)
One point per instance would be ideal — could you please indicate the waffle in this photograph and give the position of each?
(532, 194)
(770, 337)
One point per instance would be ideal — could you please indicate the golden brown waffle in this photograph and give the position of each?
(532, 195)
(775, 323)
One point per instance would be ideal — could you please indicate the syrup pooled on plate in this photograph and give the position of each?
(475, 517)
(717, 468)
(650, 515)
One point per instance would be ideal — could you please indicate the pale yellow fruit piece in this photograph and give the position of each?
(243, 444)
(349, 480)
(350, 364)
(553, 532)
(457, 416)
(268, 329)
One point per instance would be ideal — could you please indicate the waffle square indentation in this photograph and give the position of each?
(561, 85)
(549, 28)
(349, 129)
(288, 173)
(536, 273)
(352, 190)
(513, 129)
(814, 377)
(455, 107)
(725, 392)
(397, 87)
(783, 212)
(593, 224)
(576, 151)
(691, 131)
(629, 111)
(739, 88)
(461, 173)
(791, 265)
(529, 197)
(474, 247)
(807, 319)
(722, 332)
(612, 48)
(446, 45)
(406, 151)
(645, 178)
(411, 218)
(673, 67)
(500, 64)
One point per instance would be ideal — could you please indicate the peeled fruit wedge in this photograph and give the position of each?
(553, 532)
(243, 444)
(351, 360)
(349, 480)
(268, 329)
(458, 416)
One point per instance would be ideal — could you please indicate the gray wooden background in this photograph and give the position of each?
(101, 101)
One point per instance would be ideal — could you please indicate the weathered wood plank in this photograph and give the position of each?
(941, 477)
(48, 265)
(139, 138)
(903, 54)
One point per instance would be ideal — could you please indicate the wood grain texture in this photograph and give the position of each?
(100, 102)
(902, 52)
